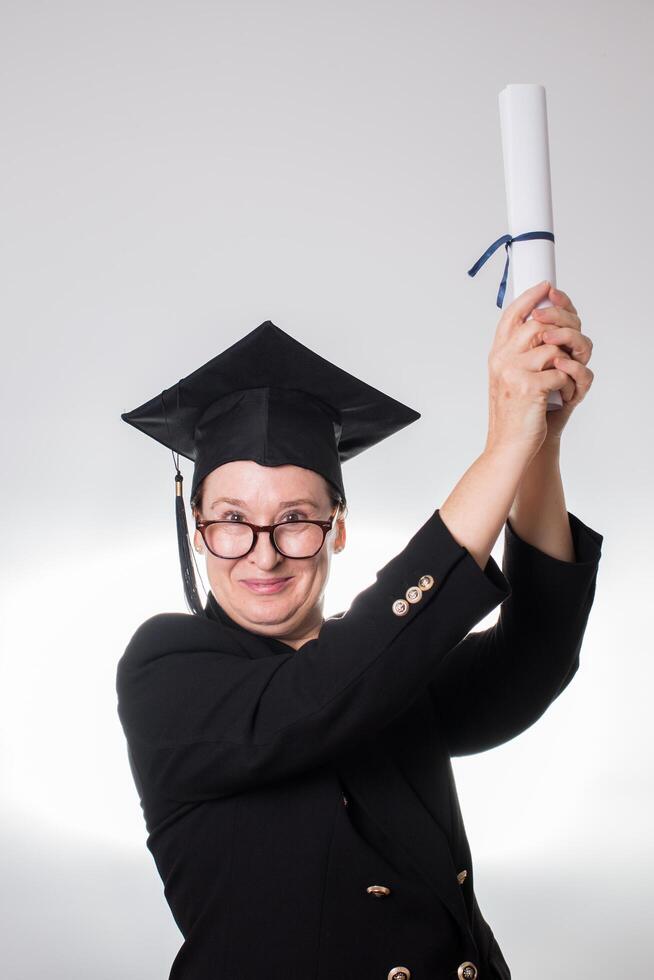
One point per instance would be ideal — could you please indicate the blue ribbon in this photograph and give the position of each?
(506, 240)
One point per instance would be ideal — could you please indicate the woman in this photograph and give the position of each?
(294, 771)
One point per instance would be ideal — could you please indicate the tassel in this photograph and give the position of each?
(185, 556)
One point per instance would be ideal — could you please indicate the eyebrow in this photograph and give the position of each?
(281, 506)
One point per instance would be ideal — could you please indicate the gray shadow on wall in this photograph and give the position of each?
(82, 911)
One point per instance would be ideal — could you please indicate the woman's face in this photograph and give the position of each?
(245, 490)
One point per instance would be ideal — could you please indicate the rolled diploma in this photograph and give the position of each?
(525, 148)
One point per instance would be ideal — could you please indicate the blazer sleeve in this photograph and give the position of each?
(202, 723)
(495, 683)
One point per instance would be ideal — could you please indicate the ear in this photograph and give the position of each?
(341, 535)
(198, 543)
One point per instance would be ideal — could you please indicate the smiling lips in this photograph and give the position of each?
(265, 586)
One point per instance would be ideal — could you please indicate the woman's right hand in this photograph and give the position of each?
(521, 378)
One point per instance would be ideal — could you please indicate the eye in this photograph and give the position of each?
(297, 514)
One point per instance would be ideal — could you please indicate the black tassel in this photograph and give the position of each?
(185, 556)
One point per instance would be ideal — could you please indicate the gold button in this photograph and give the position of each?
(467, 971)
(414, 594)
(462, 875)
(400, 607)
(378, 890)
(426, 582)
(399, 973)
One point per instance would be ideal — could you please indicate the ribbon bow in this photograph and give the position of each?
(506, 240)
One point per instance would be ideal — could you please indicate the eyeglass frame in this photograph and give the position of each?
(256, 529)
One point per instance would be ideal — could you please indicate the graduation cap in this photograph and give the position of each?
(271, 399)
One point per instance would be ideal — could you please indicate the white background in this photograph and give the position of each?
(171, 175)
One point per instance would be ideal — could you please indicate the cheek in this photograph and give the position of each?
(220, 571)
(314, 577)
(308, 579)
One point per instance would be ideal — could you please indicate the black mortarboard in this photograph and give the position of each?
(270, 399)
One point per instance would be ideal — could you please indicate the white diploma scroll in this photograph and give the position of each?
(525, 148)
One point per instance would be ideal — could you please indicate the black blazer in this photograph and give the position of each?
(301, 806)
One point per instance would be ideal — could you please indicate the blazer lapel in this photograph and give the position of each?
(379, 786)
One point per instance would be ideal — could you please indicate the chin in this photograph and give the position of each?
(269, 603)
(270, 608)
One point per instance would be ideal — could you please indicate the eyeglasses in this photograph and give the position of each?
(292, 539)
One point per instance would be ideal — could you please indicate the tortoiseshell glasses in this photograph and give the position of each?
(292, 539)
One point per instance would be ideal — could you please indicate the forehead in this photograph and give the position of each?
(257, 485)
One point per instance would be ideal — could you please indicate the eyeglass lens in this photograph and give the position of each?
(296, 539)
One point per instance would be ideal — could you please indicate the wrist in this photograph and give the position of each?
(511, 455)
(550, 447)
(539, 480)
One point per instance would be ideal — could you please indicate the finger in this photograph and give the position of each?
(539, 358)
(559, 298)
(557, 316)
(550, 380)
(579, 346)
(581, 375)
(522, 306)
(568, 391)
(579, 378)
(532, 332)
(544, 358)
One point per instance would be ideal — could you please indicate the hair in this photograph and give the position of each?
(335, 497)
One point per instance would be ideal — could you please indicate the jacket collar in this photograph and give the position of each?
(213, 610)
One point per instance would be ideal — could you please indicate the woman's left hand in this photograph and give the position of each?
(562, 327)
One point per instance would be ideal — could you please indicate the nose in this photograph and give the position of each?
(264, 552)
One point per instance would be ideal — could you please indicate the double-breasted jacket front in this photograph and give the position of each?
(300, 805)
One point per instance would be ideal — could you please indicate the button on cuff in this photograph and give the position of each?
(467, 971)
(400, 607)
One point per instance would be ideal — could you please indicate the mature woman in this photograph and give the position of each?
(294, 771)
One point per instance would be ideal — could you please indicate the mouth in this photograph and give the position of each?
(267, 586)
